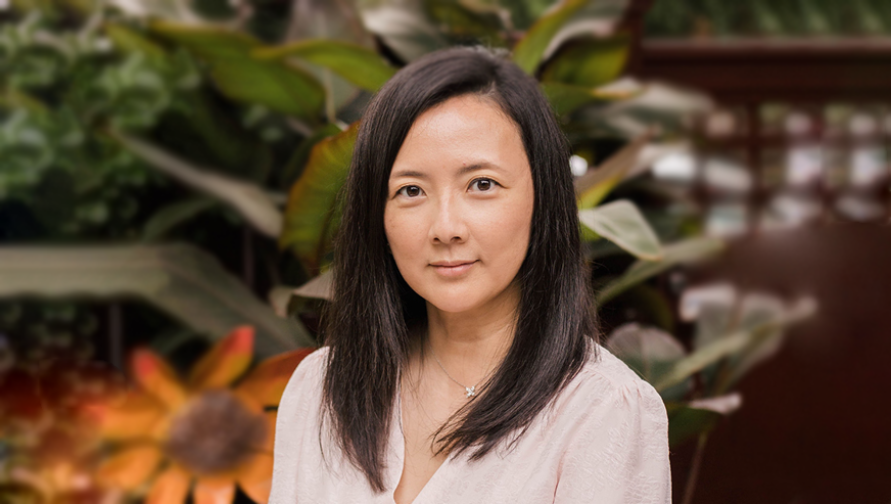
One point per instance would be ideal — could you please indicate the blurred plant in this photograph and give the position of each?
(182, 280)
(734, 333)
(245, 116)
(170, 433)
(58, 91)
(49, 431)
(762, 17)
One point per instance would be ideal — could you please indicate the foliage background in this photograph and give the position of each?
(170, 171)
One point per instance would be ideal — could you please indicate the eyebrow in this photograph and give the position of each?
(467, 169)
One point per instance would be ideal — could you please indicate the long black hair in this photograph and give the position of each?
(370, 323)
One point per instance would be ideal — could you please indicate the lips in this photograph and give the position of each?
(452, 268)
(450, 264)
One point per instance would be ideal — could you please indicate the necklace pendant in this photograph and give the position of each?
(470, 391)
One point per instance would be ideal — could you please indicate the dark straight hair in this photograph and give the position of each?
(374, 315)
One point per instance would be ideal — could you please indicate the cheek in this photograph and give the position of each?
(402, 234)
(506, 232)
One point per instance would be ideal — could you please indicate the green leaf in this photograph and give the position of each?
(180, 279)
(685, 422)
(405, 31)
(311, 214)
(683, 252)
(469, 20)
(14, 99)
(650, 352)
(278, 85)
(363, 67)
(588, 62)
(705, 356)
(130, 40)
(565, 98)
(757, 309)
(596, 184)
(320, 287)
(205, 130)
(249, 200)
(297, 162)
(622, 223)
(171, 216)
(739, 341)
(530, 50)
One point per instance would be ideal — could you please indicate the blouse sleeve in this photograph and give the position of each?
(619, 452)
(287, 432)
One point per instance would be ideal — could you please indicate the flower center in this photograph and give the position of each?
(215, 432)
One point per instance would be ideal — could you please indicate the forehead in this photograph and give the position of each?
(467, 129)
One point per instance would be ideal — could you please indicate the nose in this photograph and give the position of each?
(449, 223)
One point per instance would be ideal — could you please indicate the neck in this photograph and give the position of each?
(470, 345)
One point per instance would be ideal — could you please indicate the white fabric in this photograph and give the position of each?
(604, 440)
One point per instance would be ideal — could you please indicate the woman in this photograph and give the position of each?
(461, 361)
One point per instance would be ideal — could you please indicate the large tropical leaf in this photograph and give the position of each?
(622, 223)
(685, 422)
(713, 307)
(180, 279)
(300, 155)
(311, 214)
(682, 252)
(163, 9)
(757, 309)
(363, 67)
(719, 309)
(594, 185)
(463, 20)
(404, 30)
(698, 416)
(530, 50)
(129, 40)
(651, 353)
(278, 85)
(248, 199)
(174, 214)
(596, 18)
(658, 104)
(588, 62)
(741, 340)
(320, 287)
(565, 98)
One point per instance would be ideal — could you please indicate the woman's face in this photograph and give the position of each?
(459, 205)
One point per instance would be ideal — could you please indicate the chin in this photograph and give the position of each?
(454, 304)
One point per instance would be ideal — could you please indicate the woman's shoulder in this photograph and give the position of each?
(308, 374)
(606, 382)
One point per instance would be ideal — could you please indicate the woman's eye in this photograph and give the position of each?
(411, 191)
(483, 184)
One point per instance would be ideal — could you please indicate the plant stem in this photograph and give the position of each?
(693, 476)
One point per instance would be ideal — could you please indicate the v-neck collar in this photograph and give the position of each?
(397, 434)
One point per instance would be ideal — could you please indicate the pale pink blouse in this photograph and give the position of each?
(603, 440)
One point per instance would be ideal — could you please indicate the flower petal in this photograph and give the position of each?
(271, 417)
(256, 478)
(134, 417)
(130, 468)
(171, 487)
(267, 382)
(158, 378)
(226, 361)
(214, 491)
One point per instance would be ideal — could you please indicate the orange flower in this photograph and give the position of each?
(201, 435)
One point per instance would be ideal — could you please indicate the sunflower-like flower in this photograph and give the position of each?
(201, 435)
